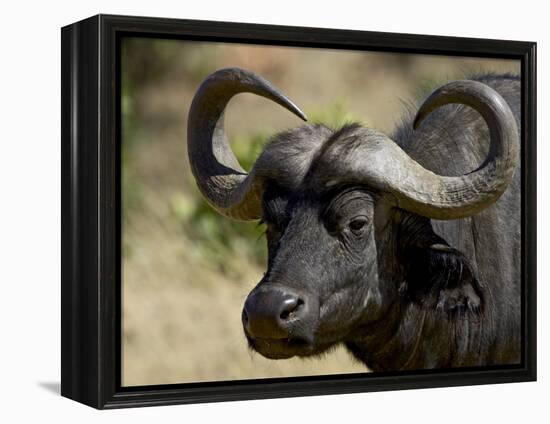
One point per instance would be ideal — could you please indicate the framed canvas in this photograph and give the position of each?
(362, 219)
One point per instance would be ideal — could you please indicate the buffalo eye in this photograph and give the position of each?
(358, 225)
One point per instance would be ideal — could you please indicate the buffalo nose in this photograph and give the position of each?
(271, 313)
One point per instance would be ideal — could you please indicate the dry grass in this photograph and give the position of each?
(181, 312)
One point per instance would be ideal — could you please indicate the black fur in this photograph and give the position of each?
(436, 275)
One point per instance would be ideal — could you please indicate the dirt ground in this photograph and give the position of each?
(181, 311)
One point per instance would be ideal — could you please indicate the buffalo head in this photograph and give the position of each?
(347, 213)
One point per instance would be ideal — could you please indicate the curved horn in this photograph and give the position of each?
(442, 197)
(219, 176)
(368, 156)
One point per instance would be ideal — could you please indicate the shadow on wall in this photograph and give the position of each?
(51, 386)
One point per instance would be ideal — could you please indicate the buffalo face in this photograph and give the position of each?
(348, 215)
(322, 280)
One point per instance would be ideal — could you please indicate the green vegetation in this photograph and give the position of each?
(333, 116)
(218, 238)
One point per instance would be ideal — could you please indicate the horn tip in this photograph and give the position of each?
(296, 110)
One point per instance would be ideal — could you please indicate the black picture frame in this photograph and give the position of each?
(91, 223)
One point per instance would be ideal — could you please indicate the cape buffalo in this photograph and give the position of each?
(405, 249)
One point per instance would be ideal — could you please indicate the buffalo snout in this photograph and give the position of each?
(279, 319)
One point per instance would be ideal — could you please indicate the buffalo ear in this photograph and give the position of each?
(440, 277)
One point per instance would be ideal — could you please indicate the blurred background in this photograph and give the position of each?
(186, 271)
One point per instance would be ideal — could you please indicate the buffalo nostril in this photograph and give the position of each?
(290, 307)
(273, 313)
